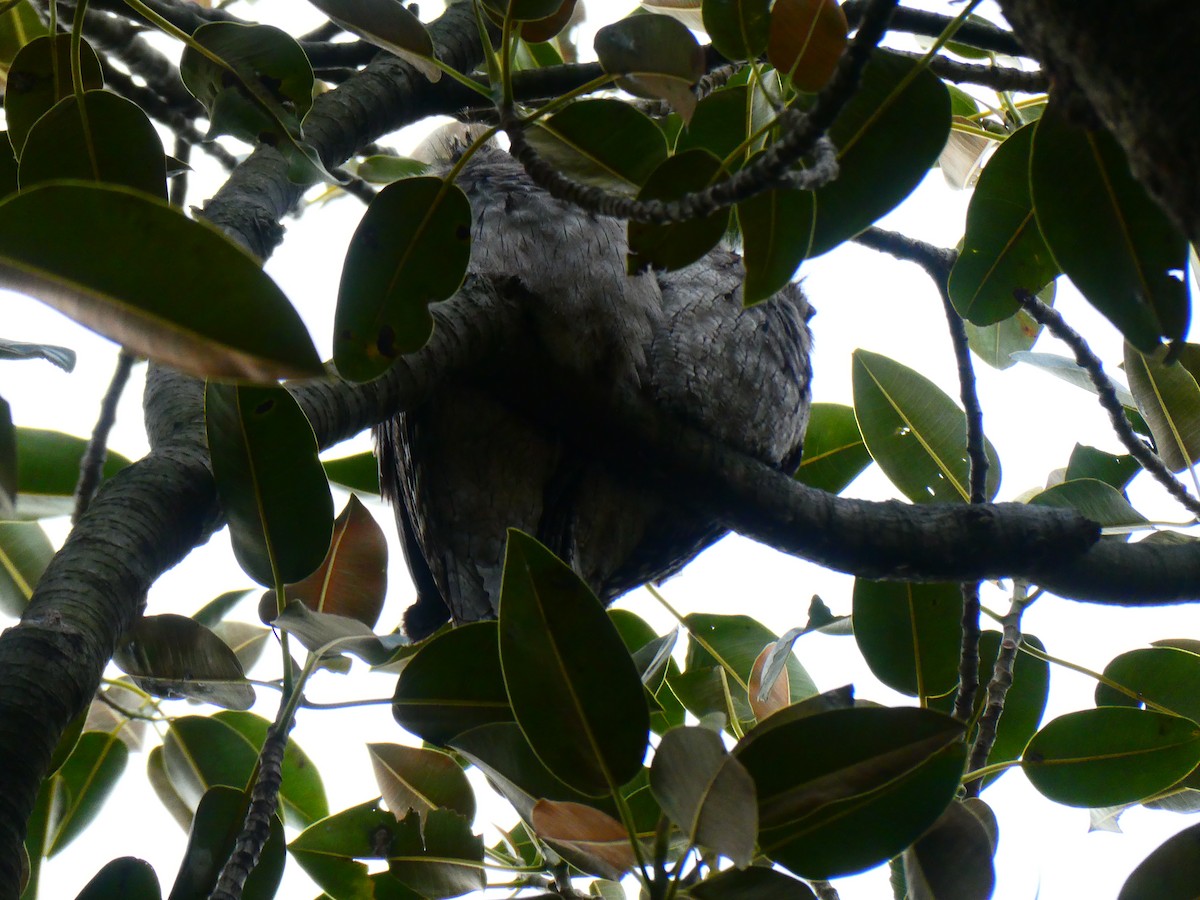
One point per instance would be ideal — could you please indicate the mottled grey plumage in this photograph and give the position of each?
(484, 454)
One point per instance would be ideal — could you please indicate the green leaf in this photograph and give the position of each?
(127, 877)
(202, 751)
(1111, 755)
(774, 246)
(48, 470)
(86, 778)
(359, 472)
(952, 860)
(40, 76)
(834, 451)
(195, 301)
(844, 790)
(443, 859)
(1088, 462)
(584, 715)
(453, 684)
(156, 774)
(720, 124)
(707, 793)
(1073, 373)
(738, 28)
(63, 357)
(1171, 872)
(806, 41)
(1093, 499)
(910, 634)
(245, 640)
(327, 850)
(915, 432)
(384, 169)
(1169, 400)
(105, 138)
(388, 25)
(677, 244)
(411, 249)
(603, 142)
(215, 610)
(1003, 250)
(8, 167)
(217, 824)
(330, 634)
(421, 779)
(25, 551)
(656, 57)
(1023, 705)
(887, 139)
(352, 580)
(1167, 677)
(18, 26)
(174, 656)
(1106, 234)
(271, 484)
(754, 883)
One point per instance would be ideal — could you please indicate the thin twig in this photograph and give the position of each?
(999, 78)
(179, 183)
(91, 467)
(1090, 363)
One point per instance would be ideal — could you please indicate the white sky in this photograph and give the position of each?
(863, 300)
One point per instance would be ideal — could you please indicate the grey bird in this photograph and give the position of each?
(490, 451)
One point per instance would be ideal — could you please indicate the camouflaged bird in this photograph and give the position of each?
(489, 451)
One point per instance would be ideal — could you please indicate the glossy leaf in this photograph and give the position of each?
(271, 484)
(453, 684)
(63, 357)
(352, 580)
(384, 169)
(678, 244)
(738, 28)
(195, 301)
(328, 850)
(910, 634)
(603, 142)
(952, 860)
(996, 344)
(86, 778)
(915, 432)
(174, 656)
(887, 139)
(156, 775)
(656, 57)
(706, 793)
(1088, 462)
(442, 859)
(720, 124)
(245, 640)
(202, 751)
(40, 77)
(410, 250)
(219, 607)
(754, 883)
(774, 245)
(587, 838)
(48, 470)
(1171, 872)
(217, 824)
(665, 711)
(388, 25)
(327, 633)
(359, 472)
(1106, 234)
(127, 877)
(104, 138)
(844, 790)
(1169, 400)
(1095, 500)
(1003, 250)
(1167, 677)
(1023, 705)
(584, 716)
(1110, 755)
(25, 551)
(420, 779)
(834, 450)
(806, 40)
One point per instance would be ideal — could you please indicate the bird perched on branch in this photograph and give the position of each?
(494, 450)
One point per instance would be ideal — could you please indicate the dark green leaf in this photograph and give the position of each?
(707, 793)
(128, 878)
(910, 634)
(720, 124)
(25, 551)
(755, 883)
(536, 32)
(106, 138)
(1169, 400)
(834, 451)
(359, 472)
(8, 166)
(421, 779)
(806, 40)
(915, 432)
(272, 487)
(410, 250)
(952, 860)
(678, 244)
(39, 78)
(18, 26)
(1111, 755)
(1106, 234)
(195, 300)
(443, 859)
(1094, 499)
(217, 824)
(1003, 251)
(381, 169)
(48, 470)
(656, 57)
(1166, 677)
(174, 656)
(1088, 462)
(63, 357)
(844, 790)
(584, 715)
(388, 25)
(453, 684)
(87, 778)
(738, 28)
(8, 462)
(219, 607)
(1023, 705)
(327, 850)
(603, 142)
(1172, 872)
(774, 246)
